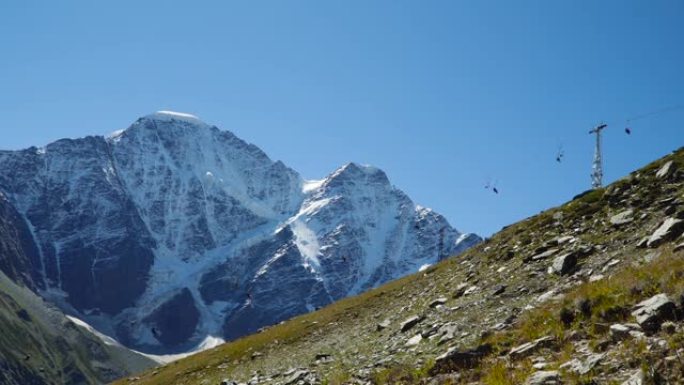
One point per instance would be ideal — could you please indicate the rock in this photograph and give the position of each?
(619, 332)
(498, 289)
(447, 333)
(635, 379)
(530, 347)
(460, 289)
(415, 340)
(585, 367)
(295, 377)
(669, 327)
(666, 170)
(455, 359)
(565, 239)
(542, 255)
(382, 325)
(437, 302)
(544, 377)
(409, 323)
(669, 230)
(564, 264)
(653, 311)
(256, 355)
(470, 290)
(643, 242)
(678, 247)
(622, 218)
(322, 357)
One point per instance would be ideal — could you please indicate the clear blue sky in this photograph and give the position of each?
(442, 95)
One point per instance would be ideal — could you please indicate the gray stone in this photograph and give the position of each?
(678, 247)
(653, 311)
(619, 332)
(643, 242)
(669, 327)
(460, 289)
(622, 218)
(295, 377)
(455, 359)
(528, 348)
(447, 333)
(415, 340)
(637, 378)
(582, 367)
(470, 290)
(544, 377)
(669, 230)
(499, 289)
(543, 255)
(666, 170)
(437, 302)
(565, 239)
(410, 323)
(382, 325)
(564, 264)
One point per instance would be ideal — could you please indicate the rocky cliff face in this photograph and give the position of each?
(175, 217)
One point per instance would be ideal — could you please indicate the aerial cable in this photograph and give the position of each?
(628, 122)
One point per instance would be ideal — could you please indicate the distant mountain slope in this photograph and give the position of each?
(586, 293)
(172, 231)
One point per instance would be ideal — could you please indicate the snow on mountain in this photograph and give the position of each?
(172, 231)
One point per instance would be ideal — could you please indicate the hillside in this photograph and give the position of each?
(556, 298)
(40, 346)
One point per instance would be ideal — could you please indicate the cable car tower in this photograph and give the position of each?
(597, 166)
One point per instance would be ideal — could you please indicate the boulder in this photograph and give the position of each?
(455, 359)
(470, 290)
(622, 218)
(582, 367)
(643, 242)
(382, 325)
(498, 289)
(296, 377)
(544, 377)
(665, 171)
(653, 311)
(679, 247)
(564, 264)
(619, 332)
(637, 378)
(669, 230)
(409, 323)
(542, 255)
(415, 340)
(460, 289)
(447, 333)
(438, 302)
(528, 348)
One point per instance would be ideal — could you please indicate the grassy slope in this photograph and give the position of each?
(347, 329)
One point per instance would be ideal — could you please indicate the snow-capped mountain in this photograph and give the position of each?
(172, 230)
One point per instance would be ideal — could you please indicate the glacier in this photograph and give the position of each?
(172, 232)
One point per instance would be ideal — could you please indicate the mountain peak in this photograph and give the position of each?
(161, 117)
(166, 116)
